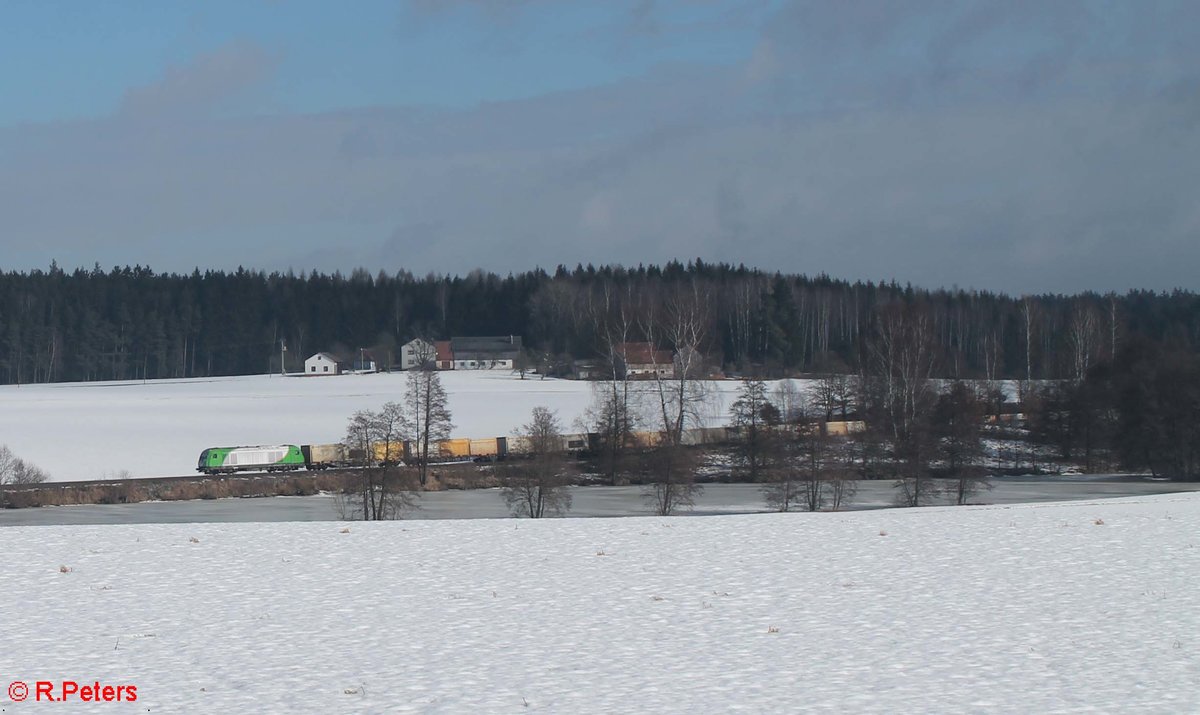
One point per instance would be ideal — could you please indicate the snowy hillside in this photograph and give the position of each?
(158, 428)
(1087, 606)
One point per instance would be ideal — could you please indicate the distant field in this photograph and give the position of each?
(158, 428)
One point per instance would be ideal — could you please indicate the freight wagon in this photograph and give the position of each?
(490, 449)
(327, 456)
(454, 448)
(226, 460)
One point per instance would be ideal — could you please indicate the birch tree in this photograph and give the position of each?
(681, 324)
(902, 357)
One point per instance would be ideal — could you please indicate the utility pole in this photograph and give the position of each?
(282, 352)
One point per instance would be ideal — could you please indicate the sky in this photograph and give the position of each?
(1014, 145)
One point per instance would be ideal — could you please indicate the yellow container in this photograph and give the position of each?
(455, 447)
(388, 452)
(483, 447)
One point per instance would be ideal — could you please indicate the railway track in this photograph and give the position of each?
(301, 482)
(146, 481)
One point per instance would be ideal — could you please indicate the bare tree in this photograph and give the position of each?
(1083, 336)
(845, 392)
(526, 361)
(957, 420)
(836, 395)
(611, 416)
(1112, 325)
(538, 486)
(681, 322)
(383, 487)
(671, 471)
(788, 399)
(825, 396)
(752, 416)
(842, 486)
(14, 470)
(902, 361)
(26, 473)
(915, 486)
(1028, 320)
(7, 464)
(784, 487)
(424, 354)
(812, 446)
(428, 416)
(902, 357)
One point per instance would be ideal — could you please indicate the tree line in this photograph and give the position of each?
(132, 323)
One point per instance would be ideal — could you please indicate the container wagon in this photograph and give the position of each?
(326, 456)
(489, 450)
(459, 448)
(389, 454)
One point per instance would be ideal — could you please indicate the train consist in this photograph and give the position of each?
(290, 457)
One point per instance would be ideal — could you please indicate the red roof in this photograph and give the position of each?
(643, 354)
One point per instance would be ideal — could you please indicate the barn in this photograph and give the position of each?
(499, 352)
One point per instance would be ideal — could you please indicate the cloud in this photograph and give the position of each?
(207, 83)
(963, 176)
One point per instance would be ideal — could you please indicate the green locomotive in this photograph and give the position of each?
(269, 458)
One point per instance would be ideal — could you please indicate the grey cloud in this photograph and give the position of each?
(1085, 182)
(205, 83)
(836, 56)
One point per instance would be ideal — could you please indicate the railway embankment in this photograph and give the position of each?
(247, 485)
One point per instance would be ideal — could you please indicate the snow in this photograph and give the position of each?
(97, 430)
(1083, 606)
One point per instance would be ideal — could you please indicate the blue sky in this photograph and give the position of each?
(68, 61)
(1017, 145)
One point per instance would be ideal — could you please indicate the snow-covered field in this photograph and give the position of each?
(1079, 607)
(158, 428)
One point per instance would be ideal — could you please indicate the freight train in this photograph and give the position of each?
(290, 457)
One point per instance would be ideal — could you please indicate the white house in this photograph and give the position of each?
(417, 352)
(322, 364)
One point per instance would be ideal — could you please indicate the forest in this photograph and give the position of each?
(132, 323)
(1107, 380)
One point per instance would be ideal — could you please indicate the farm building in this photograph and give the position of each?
(486, 353)
(444, 354)
(643, 360)
(325, 364)
(590, 370)
(417, 353)
(364, 361)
